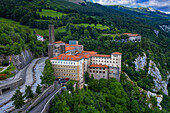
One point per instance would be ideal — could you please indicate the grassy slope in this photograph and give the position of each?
(52, 13)
(48, 13)
(14, 23)
(1, 69)
(8, 71)
(98, 26)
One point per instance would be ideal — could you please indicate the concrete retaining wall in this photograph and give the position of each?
(46, 108)
(12, 85)
(41, 96)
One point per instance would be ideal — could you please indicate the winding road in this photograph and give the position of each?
(27, 75)
(41, 105)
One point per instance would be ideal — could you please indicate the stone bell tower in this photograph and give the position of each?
(51, 41)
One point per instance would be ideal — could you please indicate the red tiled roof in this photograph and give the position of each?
(130, 34)
(100, 55)
(96, 65)
(69, 48)
(89, 52)
(59, 42)
(84, 55)
(117, 53)
(67, 57)
(72, 45)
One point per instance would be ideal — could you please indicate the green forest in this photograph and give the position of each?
(86, 23)
(104, 96)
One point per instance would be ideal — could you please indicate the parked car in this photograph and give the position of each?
(57, 79)
(62, 81)
(67, 79)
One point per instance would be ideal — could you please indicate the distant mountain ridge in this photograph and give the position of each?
(141, 12)
(76, 1)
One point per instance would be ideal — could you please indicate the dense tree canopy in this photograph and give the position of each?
(102, 96)
(48, 74)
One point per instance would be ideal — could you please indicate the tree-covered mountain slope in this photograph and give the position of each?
(142, 12)
(146, 63)
(76, 1)
(150, 15)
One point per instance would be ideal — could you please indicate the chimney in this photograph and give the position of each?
(51, 33)
(51, 41)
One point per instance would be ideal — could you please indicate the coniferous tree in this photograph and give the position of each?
(38, 90)
(28, 92)
(18, 99)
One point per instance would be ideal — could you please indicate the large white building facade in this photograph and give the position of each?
(72, 62)
(69, 66)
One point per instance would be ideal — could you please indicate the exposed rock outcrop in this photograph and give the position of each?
(149, 95)
(158, 97)
(140, 62)
(157, 78)
(20, 61)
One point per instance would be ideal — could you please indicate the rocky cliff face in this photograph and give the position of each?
(159, 83)
(141, 62)
(20, 61)
(149, 95)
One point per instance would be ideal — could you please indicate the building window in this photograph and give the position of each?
(93, 71)
(96, 71)
(103, 76)
(100, 72)
(103, 71)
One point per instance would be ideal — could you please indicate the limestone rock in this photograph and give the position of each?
(158, 97)
(157, 78)
(140, 62)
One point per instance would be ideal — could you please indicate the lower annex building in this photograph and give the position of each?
(72, 62)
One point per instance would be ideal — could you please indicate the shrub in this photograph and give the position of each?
(5, 63)
(3, 76)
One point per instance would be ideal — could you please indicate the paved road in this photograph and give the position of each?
(4, 68)
(41, 105)
(26, 75)
(7, 96)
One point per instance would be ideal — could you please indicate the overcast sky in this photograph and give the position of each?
(162, 5)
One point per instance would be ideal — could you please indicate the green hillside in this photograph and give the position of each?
(51, 13)
(152, 16)
(76, 1)
(95, 27)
